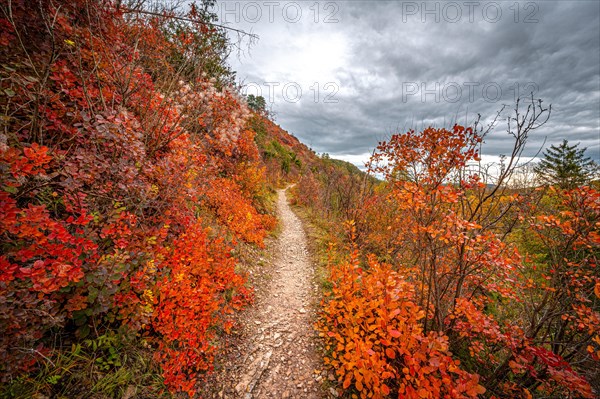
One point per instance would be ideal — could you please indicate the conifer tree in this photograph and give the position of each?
(566, 166)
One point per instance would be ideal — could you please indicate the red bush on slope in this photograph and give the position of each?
(110, 159)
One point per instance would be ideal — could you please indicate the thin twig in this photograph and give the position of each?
(157, 14)
(31, 350)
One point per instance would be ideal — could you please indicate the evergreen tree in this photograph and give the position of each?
(256, 103)
(566, 166)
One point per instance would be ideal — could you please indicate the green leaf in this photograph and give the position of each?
(83, 331)
(10, 189)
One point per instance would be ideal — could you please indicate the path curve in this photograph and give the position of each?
(277, 356)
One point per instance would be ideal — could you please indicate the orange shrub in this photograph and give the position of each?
(375, 342)
(197, 292)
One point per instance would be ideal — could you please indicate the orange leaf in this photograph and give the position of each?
(359, 386)
(385, 389)
(395, 333)
(390, 353)
(347, 382)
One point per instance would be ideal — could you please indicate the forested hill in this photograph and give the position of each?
(138, 184)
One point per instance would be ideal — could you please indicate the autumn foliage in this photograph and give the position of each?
(376, 343)
(128, 175)
(455, 288)
(131, 170)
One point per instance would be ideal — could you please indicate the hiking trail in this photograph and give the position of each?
(276, 354)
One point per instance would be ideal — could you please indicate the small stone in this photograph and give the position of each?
(302, 310)
(333, 392)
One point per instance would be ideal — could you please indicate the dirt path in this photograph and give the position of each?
(276, 354)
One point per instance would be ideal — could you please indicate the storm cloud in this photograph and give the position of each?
(343, 75)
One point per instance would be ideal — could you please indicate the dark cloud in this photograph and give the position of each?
(381, 56)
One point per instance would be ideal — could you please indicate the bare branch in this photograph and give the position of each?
(252, 36)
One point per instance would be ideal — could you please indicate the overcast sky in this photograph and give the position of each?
(343, 75)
